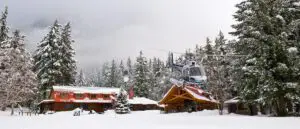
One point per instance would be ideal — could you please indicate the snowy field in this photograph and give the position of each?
(146, 120)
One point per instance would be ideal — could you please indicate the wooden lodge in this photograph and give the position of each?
(142, 103)
(66, 98)
(187, 98)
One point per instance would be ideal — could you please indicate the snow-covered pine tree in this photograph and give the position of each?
(130, 73)
(208, 49)
(3, 28)
(269, 76)
(95, 78)
(153, 85)
(17, 80)
(159, 77)
(141, 86)
(105, 73)
(199, 53)
(120, 75)
(48, 59)
(122, 105)
(129, 66)
(114, 79)
(121, 67)
(68, 65)
(81, 79)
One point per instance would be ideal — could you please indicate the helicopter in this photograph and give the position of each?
(190, 72)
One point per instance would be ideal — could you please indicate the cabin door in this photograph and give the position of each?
(84, 106)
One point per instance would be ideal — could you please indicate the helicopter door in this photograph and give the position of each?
(186, 74)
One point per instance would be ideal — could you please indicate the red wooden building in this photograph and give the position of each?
(65, 98)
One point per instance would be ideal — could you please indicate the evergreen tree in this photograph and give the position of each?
(122, 106)
(141, 86)
(129, 66)
(220, 44)
(114, 79)
(81, 80)
(95, 78)
(48, 59)
(208, 47)
(199, 54)
(269, 77)
(120, 75)
(121, 67)
(3, 28)
(68, 66)
(105, 74)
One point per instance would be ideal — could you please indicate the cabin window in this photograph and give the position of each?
(63, 95)
(69, 106)
(93, 96)
(105, 96)
(78, 96)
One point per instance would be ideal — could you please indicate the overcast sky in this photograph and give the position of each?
(115, 29)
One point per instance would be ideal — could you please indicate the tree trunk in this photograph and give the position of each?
(12, 109)
(251, 109)
(281, 107)
(221, 108)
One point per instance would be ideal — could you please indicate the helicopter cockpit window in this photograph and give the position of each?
(195, 71)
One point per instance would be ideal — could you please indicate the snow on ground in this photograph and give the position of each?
(146, 120)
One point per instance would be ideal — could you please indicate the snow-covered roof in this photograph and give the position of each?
(141, 100)
(198, 94)
(195, 92)
(46, 101)
(233, 100)
(92, 90)
(92, 101)
(79, 101)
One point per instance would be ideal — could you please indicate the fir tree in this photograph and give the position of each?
(141, 86)
(129, 66)
(268, 75)
(105, 74)
(199, 54)
(121, 67)
(48, 59)
(3, 28)
(130, 70)
(81, 80)
(122, 106)
(208, 49)
(114, 76)
(68, 66)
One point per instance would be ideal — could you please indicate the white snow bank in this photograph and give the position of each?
(148, 120)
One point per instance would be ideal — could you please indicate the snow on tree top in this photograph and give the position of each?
(92, 90)
(141, 100)
(297, 3)
(292, 50)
